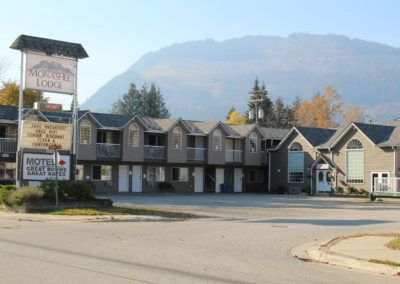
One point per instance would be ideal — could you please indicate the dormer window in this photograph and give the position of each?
(177, 137)
(133, 135)
(253, 143)
(85, 132)
(217, 140)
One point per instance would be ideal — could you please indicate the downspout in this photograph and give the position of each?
(394, 160)
(269, 171)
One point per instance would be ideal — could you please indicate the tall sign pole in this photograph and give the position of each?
(18, 161)
(75, 123)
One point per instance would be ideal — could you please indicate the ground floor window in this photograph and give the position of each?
(79, 175)
(7, 170)
(155, 173)
(256, 175)
(102, 172)
(180, 174)
(296, 166)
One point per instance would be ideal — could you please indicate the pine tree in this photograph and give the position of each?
(143, 102)
(260, 93)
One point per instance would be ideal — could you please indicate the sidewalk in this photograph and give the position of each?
(353, 252)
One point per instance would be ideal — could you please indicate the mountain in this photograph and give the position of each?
(203, 79)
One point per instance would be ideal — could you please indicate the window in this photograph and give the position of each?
(84, 132)
(101, 172)
(7, 170)
(155, 174)
(217, 140)
(177, 137)
(133, 135)
(180, 174)
(79, 174)
(354, 162)
(253, 143)
(295, 163)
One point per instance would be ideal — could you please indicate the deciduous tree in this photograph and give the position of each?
(352, 114)
(9, 95)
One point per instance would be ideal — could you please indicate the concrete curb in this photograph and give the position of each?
(74, 218)
(319, 252)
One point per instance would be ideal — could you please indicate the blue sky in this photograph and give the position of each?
(116, 33)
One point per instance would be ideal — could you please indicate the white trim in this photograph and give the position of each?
(92, 116)
(345, 132)
(287, 136)
(345, 165)
(133, 118)
(129, 135)
(180, 133)
(256, 137)
(376, 172)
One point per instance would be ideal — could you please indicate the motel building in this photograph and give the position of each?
(131, 154)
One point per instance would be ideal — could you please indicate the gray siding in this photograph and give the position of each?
(252, 159)
(129, 153)
(216, 157)
(177, 155)
(87, 151)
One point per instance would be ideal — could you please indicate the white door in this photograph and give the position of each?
(219, 179)
(198, 179)
(238, 180)
(123, 178)
(136, 178)
(323, 181)
(379, 177)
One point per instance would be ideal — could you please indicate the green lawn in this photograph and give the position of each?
(111, 210)
(395, 244)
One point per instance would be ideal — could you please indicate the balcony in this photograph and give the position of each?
(8, 145)
(234, 156)
(107, 150)
(196, 154)
(154, 152)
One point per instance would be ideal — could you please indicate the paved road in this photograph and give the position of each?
(246, 240)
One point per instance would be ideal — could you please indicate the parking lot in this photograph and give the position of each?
(245, 238)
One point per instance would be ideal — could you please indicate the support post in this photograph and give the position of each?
(75, 124)
(18, 156)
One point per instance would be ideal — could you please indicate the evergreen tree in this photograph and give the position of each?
(143, 102)
(280, 113)
(260, 93)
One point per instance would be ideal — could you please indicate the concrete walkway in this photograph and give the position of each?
(353, 252)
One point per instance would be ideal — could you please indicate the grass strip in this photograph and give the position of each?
(386, 262)
(394, 244)
(112, 210)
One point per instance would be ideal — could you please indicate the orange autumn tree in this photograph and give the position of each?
(9, 95)
(352, 114)
(321, 110)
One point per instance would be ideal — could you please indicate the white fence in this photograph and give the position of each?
(387, 186)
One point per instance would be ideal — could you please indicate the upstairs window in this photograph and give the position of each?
(177, 137)
(85, 132)
(295, 163)
(354, 162)
(253, 143)
(133, 135)
(217, 140)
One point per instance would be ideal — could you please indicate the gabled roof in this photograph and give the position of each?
(274, 133)
(111, 120)
(243, 130)
(194, 130)
(322, 157)
(316, 136)
(166, 124)
(208, 126)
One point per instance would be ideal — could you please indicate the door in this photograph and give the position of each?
(219, 179)
(136, 178)
(323, 181)
(238, 180)
(198, 179)
(379, 181)
(123, 178)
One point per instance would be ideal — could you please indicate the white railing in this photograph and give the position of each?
(107, 150)
(154, 152)
(8, 145)
(234, 156)
(389, 186)
(196, 154)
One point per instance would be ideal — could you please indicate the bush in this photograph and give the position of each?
(339, 190)
(4, 189)
(23, 195)
(68, 190)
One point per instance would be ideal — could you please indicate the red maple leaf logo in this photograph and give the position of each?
(62, 162)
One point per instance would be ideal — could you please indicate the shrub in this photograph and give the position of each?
(306, 189)
(339, 190)
(68, 190)
(23, 195)
(4, 189)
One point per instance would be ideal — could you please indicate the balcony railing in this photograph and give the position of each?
(196, 154)
(154, 152)
(107, 150)
(8, 145)
(234, 156)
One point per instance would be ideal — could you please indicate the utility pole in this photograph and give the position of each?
(256, 101)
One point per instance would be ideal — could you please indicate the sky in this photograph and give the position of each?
(117, 33)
